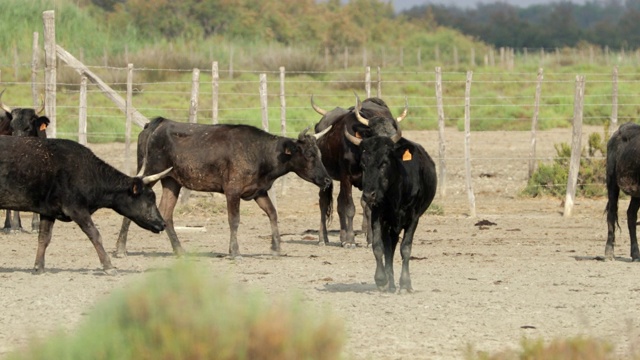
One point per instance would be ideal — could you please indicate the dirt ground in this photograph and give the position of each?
(534, 274)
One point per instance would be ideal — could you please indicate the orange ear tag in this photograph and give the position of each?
(406, 156)
(43, 127)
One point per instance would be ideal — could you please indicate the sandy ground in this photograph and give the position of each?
(533, 274)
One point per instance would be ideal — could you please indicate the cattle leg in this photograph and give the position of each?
(44, 238)
(632, 218)
(16, 224)
(35, 222)
(405, 251)
(325, 212)
(378, 252)
(121, 244)
(389, 240)
(346, 212)
(267, 206)
(613, 192)
(366, 221)
(12, 222)
(7, 222)
(233, 214)
(89, 228)
(170, 192)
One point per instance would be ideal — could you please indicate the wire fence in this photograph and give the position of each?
(499, 100)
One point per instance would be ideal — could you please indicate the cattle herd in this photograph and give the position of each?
(359, 146)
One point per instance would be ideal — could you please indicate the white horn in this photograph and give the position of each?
(321, 133)
(316, 108)
(2, 105)
(404, 112)
(357, 111)
(354, 140)
(156, 177)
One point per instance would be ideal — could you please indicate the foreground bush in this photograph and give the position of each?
(559, 349)
(178, 314)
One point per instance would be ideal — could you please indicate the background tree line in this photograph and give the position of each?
(612, 23)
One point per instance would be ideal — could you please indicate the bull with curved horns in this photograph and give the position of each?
(341, 158)
(399, 184)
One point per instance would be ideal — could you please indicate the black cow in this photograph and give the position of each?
(240, 161)
(63, 180)
(341, 158)
(21, 122)
(399, 183)
(623, 173)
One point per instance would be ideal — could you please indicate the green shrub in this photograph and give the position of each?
(551, 179)
(179, 314)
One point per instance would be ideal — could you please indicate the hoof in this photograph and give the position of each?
(37, 271)
(179, 252)
(275, 253)
(405, 291)
(120, 254)
(348, 245)
(321, 243)
(635, 260)
(111, 271)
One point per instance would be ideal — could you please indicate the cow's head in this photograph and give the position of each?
(303, 157)
(26, 122)
(378, 161)
(139, 204)
(376, 123)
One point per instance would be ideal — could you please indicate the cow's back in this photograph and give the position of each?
(34, 171)
(206, 157)
(623, 150)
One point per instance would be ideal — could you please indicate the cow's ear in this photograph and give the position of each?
(289, 148)
(361, 131)
(42, 123)
(137, 186)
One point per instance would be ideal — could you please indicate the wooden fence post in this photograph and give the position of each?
(265, 125)
(263, 102)
(215, 88)
(283, 121)
(442, 168)
(185, 193)
(35, 54)
(193, 101)
(613, 125)
(82, 112)
(534, 124)
(367, 81)
(48, 18)
(576, 147)
(379, 92)
(283, 104)
(129, 119)
(467, 144)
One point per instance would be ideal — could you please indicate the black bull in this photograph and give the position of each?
(399, 184)
(21, 122)
(341, 159)
(623, 173)
(238, 160)
(63, 180)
